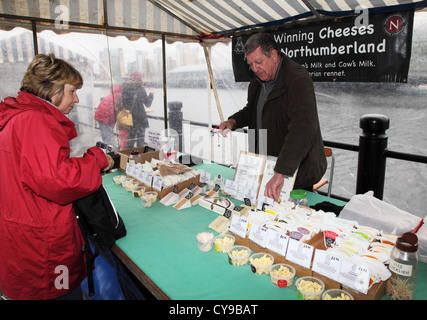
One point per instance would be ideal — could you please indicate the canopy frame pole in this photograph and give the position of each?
(208, 88)
(213, 85)
(218, 104)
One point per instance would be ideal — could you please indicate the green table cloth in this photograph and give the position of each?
(161, 242)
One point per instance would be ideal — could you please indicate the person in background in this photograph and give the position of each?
(40, 240)
(121, 129)
(135, 99)
(281, 101)
(105, 114)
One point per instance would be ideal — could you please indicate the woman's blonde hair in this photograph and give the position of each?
(47, 76)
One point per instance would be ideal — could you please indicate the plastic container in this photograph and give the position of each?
(238, 255)
(261, 262)
(224, 242)
(205, 241)
(309, 288)
(138, 191)
(127, 182)
(131, 185)
(336, 294)
(403, 267)
(279, 275)
(119, 179)
(148, 198)
(299, 197)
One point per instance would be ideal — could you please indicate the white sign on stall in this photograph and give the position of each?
(276, 241)
(239, 225)
(258, 234)
(355, 276)
(326, 264)
(230, 188)
(300, 253)
(157, 183)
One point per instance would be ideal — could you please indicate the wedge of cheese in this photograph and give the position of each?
(182, 204)
(170, 199)
(218, 205)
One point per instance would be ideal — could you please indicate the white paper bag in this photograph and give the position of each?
(373, 212)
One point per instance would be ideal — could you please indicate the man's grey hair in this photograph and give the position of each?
(263, 40)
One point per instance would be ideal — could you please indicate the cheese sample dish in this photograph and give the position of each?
(204, 241)
(238, 255)
(138, 191)
(261, 263)
(282, 275)
(148, 198)
(223, 243)
(309, 288)
(336, 294)
(119, 179)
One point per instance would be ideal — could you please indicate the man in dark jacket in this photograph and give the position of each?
(281, 100)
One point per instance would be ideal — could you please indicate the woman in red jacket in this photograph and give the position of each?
(105, 114)
(40, 241)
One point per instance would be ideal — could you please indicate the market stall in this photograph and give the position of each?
(162, 251)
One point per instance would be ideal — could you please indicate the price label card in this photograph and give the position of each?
(326, 264)
(300, 253)
(239, 225)
(249, 194)
(276, 241)
(130, 169)
(147, 179)
(157, 183)
(231, 188)
(262, 201)
(355, 276)
(139, 175)
(205, 176)
(258, 234)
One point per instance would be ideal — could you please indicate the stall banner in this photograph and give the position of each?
(373, 48)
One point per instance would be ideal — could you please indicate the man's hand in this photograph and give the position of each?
(274, 186)
(110, 164)
(226, 126)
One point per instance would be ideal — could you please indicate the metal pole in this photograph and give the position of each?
(165, 91)
(372, 157)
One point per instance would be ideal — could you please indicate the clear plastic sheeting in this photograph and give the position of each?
(106, 61)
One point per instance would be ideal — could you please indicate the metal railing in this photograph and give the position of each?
(372, 153)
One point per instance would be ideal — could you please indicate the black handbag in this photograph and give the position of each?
(99, 220)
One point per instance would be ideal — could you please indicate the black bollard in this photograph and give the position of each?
(175, 122)
(372, 159)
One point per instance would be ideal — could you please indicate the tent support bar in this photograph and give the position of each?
(310, 6)
(165, 97)
(90, 27)
(208, 62)
(35, 43)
